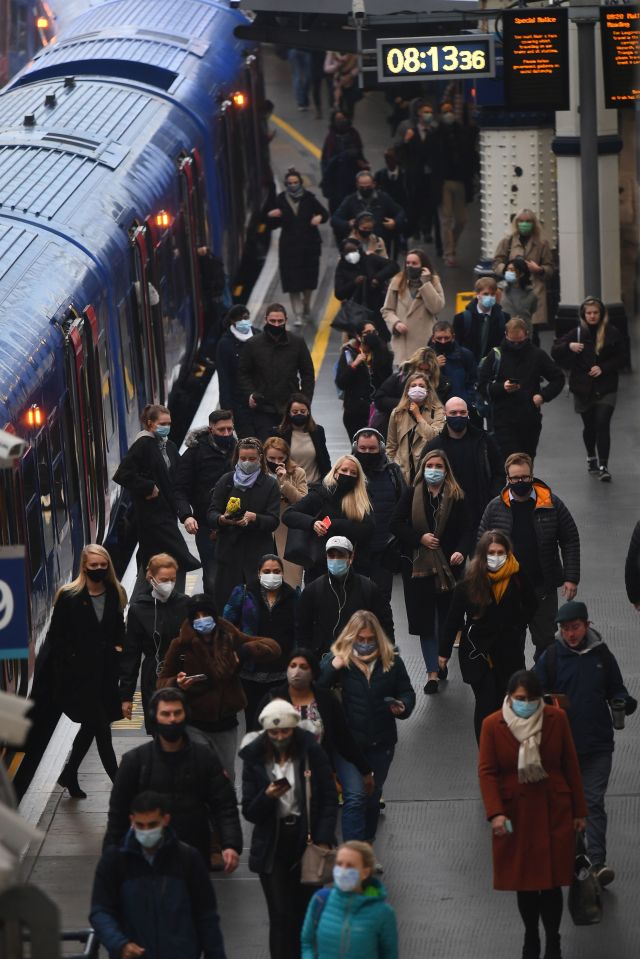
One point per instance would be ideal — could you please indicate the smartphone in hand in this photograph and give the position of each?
(198, 677)
(282, 782)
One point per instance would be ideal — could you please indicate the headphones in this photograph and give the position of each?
(369, 430)
(592, 299)
(160, 696)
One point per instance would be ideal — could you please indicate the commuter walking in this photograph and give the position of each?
(300, 62)
(293, 486)
(518, 298)
(414, 298)
(298, 214)
(278, 763)
(341, 159)
(418, 417)
(433, 526)
(273, 365)
(459, 159)
(375, 690)
(264, 607)
(147, 473)
(593, 352)
(632, 568)
(354, 910)
(532, 793)
(420, 149)
(363, 278)
(491, 607)
(154, 619)
(85, 642)
(305, 438)
(207, 457)
(365, 362)
(392, 180)
(188, 772)
(581, 666)
(457, 363)
(239, 330)
(363, 231)
(151, 895)
(388, 216)
(203, 662)
(526, 239)
(387, 397)
(510, 377)
(245, 512)
(480, 326)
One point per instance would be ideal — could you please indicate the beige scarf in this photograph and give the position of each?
(528, 732)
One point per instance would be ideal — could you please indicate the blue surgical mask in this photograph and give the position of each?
(510, 276)
(248, 467)
(206, 624)
(433, 476)
(243, 326)
(338, 567)
(524, 710)
(346, 880)
(163, 431)
(488, 301)
(148, 838)
(365, 649)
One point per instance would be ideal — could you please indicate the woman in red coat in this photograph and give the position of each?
(532, 792)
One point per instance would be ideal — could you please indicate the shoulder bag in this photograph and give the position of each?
(316, 865)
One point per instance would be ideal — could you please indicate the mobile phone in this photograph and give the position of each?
(326, 521)
(392, 702)
(514, 382)
(282, 782)
(508, 825)
(198, 677)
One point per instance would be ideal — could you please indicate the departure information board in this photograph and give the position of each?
(536, 58)
(435, 58)
(620, 38)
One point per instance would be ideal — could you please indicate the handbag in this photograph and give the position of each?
(316, 865)
(303, 548)
(585, 898)
(350, 316)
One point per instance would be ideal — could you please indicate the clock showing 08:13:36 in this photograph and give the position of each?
(432, 58)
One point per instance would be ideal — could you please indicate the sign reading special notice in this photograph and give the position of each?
(620, 37)
(536, 59)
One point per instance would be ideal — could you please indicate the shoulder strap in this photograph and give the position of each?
(497, 358)
(307, 795)
(319, 902)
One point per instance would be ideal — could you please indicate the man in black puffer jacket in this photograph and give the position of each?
(542, 531)
(632, 568)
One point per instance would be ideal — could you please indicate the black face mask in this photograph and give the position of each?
(515, 347)
(172, 732)
(299, 419)
(275, 331)
(225, 443)
(368, 461)
(457, 423)
(521, 488)
(444, 349)
(97, 575)
(371, 340)
(272, 467)
(341, 125)
(366, 192)
(413, 272)
(365, 234)
(345, 484)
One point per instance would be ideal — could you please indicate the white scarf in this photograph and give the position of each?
(528, 732)
(243, 337)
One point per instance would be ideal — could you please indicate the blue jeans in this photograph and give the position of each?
(596, 769)
(300, 61)
(435, 614)
(360, 813)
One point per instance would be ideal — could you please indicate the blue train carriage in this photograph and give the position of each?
(120, 153)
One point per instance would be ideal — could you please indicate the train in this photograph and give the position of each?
(135, 140)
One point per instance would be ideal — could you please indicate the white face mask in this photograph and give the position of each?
(353, 257)
(417, 394)
(161, 591)
(494, 563)
(271, 580)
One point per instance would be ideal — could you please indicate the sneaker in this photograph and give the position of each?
(381, 803)
(592, 464)
(604, 874)
(430, 687)
(443, 673)
(604, 475)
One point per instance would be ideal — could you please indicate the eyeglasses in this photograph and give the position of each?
(519, 479)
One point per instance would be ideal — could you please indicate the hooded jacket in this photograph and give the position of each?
(610, 359)
(350, 925)
(632, 567)
(200, 467)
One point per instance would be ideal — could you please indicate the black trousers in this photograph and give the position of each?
(546, 905)
(491, 690)
(100, 730)
(596, 431)
(255, 692)
(265, 424)
(355, 418)
(287, 899)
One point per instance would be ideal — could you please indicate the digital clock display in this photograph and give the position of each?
(435, 58)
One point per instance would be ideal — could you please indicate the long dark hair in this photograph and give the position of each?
(529, 680)
(476, 578)
(286, 425)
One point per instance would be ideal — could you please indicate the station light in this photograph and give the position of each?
(163, 219)
(42, 23)
(35, 416)
(240, 99)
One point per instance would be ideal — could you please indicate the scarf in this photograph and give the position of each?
(243, 337)
(431, 562)
(528, 732)
(294, 202)
(244, 480)
(500, 579)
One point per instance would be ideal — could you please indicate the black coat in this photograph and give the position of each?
(85, 656)
(385, 486)
(261, 810)
(380, 205)
(467, 327)
(370, 718)
(300, 242)
(528, 366)
(149, 622)
(611, 359)
(249, 612)
(497, 631)
(371, 267)
(228, 354)
(199, 469)
(328, 603)
(142, 468)
(198, 792)
(632, 567)
(337, 737)
(239, 548)
(319, 440)
(358, 383)
(272, 370)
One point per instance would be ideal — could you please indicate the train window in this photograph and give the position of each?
(107, 399)
(126, 356)
(58, 500)
(33, 540)
(203, 237)
(29, 478)
(44, 478)
(73, 489)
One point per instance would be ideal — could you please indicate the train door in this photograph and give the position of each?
(191, 213)
(145, 300)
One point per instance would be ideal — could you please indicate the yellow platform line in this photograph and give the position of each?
(15, 765)
(298, 137)
(137, 715)
(323, 334)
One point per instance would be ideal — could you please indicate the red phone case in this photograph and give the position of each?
(326, 521)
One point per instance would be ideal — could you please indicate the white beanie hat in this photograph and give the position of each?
(279, 714)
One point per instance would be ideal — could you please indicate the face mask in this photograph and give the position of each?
(275, 331)
(338, 567)
(371, 340)
(341, 125)
(433, 476)
(516, 347)
(365, 234)
(346, 880)
(206, 624)
(445, 349)
(366, 192)
(299, 419)
(281, 745)
(353, 257)
(510, 276)
(248, 467)
(525, 227)
(345, 484)
(163, 431)
(488, 301)
(494, 563)
(417, 393)
(272, 467)
(524, 710)
(426, 119)
(271, 580)
(294, 189)
(365, 649)
(448, 118)
(172, 732)
(522, 487)
(368, 461)
(299, 678)
(97, 575)
(162, 591)
(457, 423)
(224, 442)
(413, 272)
(148, 838)
(243, 326)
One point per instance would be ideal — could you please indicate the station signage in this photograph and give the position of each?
(536, 58)
(620, 39)
(14, 623)
(435, 58)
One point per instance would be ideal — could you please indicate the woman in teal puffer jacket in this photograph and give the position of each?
(351, 919)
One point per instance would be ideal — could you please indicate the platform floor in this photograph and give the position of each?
(433, 840)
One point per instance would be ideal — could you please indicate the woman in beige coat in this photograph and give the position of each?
(418, 417)
(527, 240)
(413, 299)
(293, 485)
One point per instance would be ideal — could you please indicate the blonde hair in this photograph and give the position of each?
(526, 214)
(425, 356)
(451, 485)
(603, 322)
(343, 646)
(364, 850)
(79, 583)
(515, 324)
(159, 561)
(356, 504)
(431, 402)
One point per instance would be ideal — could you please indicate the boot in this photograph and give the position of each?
(531, 948)
(553, 950)
(68, 779)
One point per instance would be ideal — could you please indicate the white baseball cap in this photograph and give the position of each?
(339, 542)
